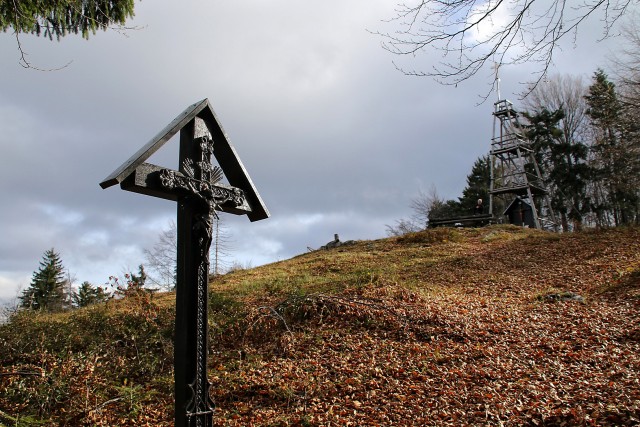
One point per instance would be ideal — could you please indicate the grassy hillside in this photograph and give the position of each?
(491, 326)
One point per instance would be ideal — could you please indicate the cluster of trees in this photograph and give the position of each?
(51, 287)
(430, 205)
(586, 140)
(587, 143)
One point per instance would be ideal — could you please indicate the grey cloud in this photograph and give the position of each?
(335, 139)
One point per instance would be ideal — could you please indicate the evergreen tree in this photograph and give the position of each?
(615, 158)
(426, 206)
(478, 182)
(137, 281)
(88, 295)
(47, 288)
(447, 209)
(562, 163)
(604, 107)
(57, 18)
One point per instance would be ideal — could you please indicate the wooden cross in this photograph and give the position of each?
(196, 188)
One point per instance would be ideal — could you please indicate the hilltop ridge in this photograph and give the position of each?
(441, 327)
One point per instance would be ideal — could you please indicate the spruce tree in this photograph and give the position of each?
(47, 288)
(87, 295)
(137, 281)
(604, 107)
(616, 161)
(58, 18)
(562, 162)
(477, 186)
(445, 210)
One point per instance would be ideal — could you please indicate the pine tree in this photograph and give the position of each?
(447, 209)
(562, 162)
(478, 182)
(133, 283)
(59, 18)
(616, 160)
(47, 288)
(87, 295)
(137, 281)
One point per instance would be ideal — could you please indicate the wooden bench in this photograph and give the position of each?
(463, 221)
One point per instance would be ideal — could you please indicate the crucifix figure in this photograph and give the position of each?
(200, 195)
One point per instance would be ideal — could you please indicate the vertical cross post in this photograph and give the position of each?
(193, 405)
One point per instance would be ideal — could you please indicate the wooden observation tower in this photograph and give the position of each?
(516, 190)
(515, 175)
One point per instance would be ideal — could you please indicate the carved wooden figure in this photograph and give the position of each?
(197, 189)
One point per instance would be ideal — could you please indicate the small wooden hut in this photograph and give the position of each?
(519, 212)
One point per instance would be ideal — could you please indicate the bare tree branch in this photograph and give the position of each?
(470, 33)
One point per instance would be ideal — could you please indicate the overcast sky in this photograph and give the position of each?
(335, 139)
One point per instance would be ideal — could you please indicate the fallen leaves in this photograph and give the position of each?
(429, 330)
(486, 352)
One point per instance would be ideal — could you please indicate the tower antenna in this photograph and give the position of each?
(496, 66)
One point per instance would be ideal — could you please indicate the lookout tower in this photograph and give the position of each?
(515, 173)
